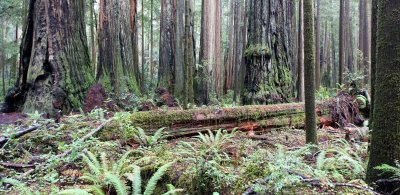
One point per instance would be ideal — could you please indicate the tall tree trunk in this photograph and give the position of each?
(334, 65)
(268, 54)
(92, 34)
(309, 72)
(189, 53)
(317, 46)
(143, 76)
(177, 57)
(2, 56)
(54, 70)
(134, 37)
(300, 54)
(166, 69)
(210, 52)
(385, 143)
(360, 56)
(341, 42)
(115, 60)
(366, 42)
(374, 8)
(151, 43)
(347, 37)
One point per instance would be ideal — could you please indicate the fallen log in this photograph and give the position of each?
(4, 140)
(187, 122)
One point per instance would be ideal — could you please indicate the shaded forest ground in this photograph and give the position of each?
(52, 158)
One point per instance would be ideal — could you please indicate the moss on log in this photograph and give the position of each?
(188, 122)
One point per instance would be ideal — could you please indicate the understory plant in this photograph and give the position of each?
(105, 176)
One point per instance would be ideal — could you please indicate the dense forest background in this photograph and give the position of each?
(223, 60)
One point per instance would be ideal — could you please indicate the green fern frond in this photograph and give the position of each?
(104, 162)
(219, 135)
(19, 186)
(96, 190)
(116, 182)
(151, 185)
(172, 190)
(159, 134)
(89, 178)
(74, 192)
(211, 136)
(93, 158)
(136, 180)
(120, 165)
(94, 165)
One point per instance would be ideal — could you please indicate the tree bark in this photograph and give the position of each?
(385, 143)
(374, 26)
(151, 44)
(54, 70)
(300, 54)
(268, 56)
(92, 34)
(115, 71)
(143, 74)
(309, 63)
(189, 53)
(341, 42)
(210, 76)
(317, 46)
(166, 69)
(134, 37)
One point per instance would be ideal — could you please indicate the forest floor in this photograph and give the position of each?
(60, 156)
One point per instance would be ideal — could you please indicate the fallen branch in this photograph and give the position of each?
(16, 165)
(4, 140)
(86, 137)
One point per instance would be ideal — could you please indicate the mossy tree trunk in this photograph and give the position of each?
(309, 72)
(134, 38)
(317, 45)
(116, 70)
(177, 52)
(269, 52)
(385, 143)
(54, 70)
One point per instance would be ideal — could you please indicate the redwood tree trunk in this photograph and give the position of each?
(385, 142)
(177, 49)
(210, 52)
(116, 71)
(54, 70)
(341, 42)
(300, 54)
(317, 46)
(268, 54)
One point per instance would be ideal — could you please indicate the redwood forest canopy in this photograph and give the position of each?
(285, 96)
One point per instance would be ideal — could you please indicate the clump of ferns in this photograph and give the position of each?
(341, 162)
(276, 169)
(208, 167)
(105, 176)
(18, 186)
(140, 136)
(389, 169)
(210, 143)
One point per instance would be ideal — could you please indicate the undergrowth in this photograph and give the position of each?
(215, 161)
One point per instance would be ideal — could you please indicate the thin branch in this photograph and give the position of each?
(4, 140)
